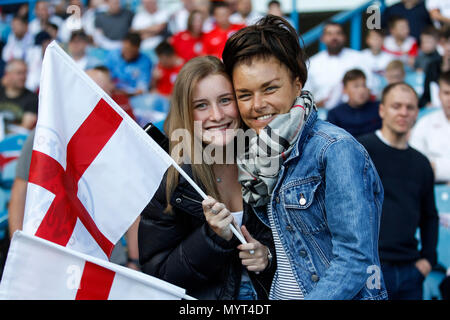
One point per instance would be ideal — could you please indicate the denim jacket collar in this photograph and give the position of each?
(306, 131)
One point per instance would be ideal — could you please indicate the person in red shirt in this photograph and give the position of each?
(167, 69)
(188, 44)
(214, 41)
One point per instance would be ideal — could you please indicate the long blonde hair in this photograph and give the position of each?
(181, 116)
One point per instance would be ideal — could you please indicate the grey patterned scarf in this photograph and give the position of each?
(260, 164)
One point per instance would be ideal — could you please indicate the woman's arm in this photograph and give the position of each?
(352, 200)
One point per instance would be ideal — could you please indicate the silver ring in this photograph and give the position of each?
(214, 211)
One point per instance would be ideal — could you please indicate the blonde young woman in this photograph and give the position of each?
(183, 242)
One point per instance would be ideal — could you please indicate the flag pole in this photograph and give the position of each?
(204, 196)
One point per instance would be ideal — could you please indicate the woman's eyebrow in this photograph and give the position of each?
(265, 84)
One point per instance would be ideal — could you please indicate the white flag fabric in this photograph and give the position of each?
(37, 269)
(93, 169)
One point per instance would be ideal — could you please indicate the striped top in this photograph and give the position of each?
(284, 285)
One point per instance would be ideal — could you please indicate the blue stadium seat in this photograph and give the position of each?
(97, 54)
(10, 148)
(431, 284)
(149, 107)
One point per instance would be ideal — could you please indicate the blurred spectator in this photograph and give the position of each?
(395, 72)
(434, 70)
(112, 25)
(409, 202)
(74, 23)
(431, 133)
(429, 39)
(150, 23)
(76, 48)
(167, 69)
(274, 8)
(101, 76)
(245, 13)
(34, 58)
(359, 115)
(232, 4)
(130, 69)
(214, 41)
(189, 44)
(327, 68)
(178, 20)
(414, 11)
(439, 12)
(52, 30)
(43, 17)
(399, 43)
(376, 59)
(18, 105)
(19, 40)
(204, 6)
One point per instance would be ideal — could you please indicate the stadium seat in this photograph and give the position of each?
(10, 148)
(149, 107)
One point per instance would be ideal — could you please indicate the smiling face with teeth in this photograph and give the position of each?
(214, 106)
(264, 88)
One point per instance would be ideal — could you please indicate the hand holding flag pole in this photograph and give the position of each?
(155, 134)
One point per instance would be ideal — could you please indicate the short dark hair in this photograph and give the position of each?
(445, 77)
(332, 23)
(80, 34)
(353, 74)
(274, 2)
(134, 38)
(445, 33)
(164, 48)
(219, 4)
(394, 19)
(431, 31)
(391, 86)
(21, 18)
(270, 36)
(380, 32)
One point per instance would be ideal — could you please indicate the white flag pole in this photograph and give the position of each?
(204, 196)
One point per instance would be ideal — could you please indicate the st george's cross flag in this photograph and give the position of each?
(93, 169)
(37, 269)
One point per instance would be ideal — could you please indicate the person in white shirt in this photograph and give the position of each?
(328, 67)
(245, 14)
(178, 20)
(439, 11)
(376, 60)
(431, 134)
(19, 40)
(85, 19)
(150, 24)
(43, 17)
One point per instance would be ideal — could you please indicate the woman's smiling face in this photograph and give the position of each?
(214, 106)
(264, 88)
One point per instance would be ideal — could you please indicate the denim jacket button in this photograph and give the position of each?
(315, 278)
(302, 200)
(289, 227)
(303, 253)
(277, 199)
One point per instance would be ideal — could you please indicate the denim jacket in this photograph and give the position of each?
(326, 207)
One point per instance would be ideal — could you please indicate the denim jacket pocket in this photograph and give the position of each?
(304, 205)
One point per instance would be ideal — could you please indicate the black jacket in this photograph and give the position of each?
(182, 249)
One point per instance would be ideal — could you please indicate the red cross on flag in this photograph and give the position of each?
(59, 273)
(93, 169)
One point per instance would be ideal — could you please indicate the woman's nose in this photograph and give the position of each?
(216, 113)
